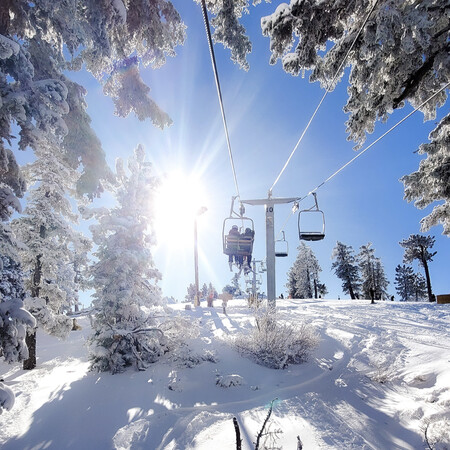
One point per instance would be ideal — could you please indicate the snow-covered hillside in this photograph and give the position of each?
(379, 378)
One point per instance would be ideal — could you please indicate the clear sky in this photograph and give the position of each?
(267, 111)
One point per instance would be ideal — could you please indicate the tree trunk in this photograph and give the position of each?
(351, 292)
(315, 288)
(427, 277)
(238, 434)
(30, 340)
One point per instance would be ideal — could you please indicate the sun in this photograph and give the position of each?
(180, 199)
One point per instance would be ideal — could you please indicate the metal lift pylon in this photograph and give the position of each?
(269, 204)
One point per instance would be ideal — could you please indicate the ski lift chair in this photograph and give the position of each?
(281, 247)
(238, 244)
(313, 214)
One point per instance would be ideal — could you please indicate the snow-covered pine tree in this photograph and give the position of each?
(410, 286)
(374, 282)
(401, 55)
(290, 285)
(419, 287)
(381, 282)
(417, 247)
(430, 183)
(303, 277)
(227, 29)
(13, 317)
(12, 187)
(45, 229)
(41, 42)
(127, 300)
(73, 276)
(404, 282)
(346, 268)
(189, 297)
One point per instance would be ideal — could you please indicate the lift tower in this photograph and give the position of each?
(269, 204)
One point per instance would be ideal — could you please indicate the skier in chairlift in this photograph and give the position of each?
(232, 246)
(248, 235)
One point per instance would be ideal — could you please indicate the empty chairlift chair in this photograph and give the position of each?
(311, 223)
(281, 247)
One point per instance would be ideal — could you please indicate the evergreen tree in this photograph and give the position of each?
(374, 282)
(407, 38)
(404, 282)
(40, 44)
(12, 187)
(380, 281)
(419, 286)
(410, 286)
(346, 268)
(127, 299)
(430, 183)
(46, 229)
(191, 292)
(291, 284)
(13, 317)
(303, 277)
(417, 247)
(204, 290)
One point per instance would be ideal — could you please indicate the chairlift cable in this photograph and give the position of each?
(219, 93)
(330, 85)
(367, 148)
(377, 140)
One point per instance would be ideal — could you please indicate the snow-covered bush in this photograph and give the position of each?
(276, 345)
(183, 347)
(227, 381)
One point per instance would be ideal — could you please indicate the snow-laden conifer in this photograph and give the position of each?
(403, 282)
(50, 243)
(127, 300)
(13, 317)
(418, 247)
(402, 55)
(41, 42)
(430, 184)
(374, 281)
(303, 277)
(410, 286)
(346, 268)
(227, 29)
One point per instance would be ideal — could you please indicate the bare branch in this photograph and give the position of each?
(261, 432)
(238, 434)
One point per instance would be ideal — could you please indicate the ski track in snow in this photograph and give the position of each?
(379, 374)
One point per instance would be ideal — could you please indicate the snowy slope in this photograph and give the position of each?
(380, 375)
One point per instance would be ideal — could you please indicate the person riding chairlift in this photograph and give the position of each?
(248, 235)
(232, 246)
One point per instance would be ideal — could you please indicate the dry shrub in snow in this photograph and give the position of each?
(437, 433)
(276, 345)
(182, 343)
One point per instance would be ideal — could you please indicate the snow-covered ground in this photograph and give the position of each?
(379, 378)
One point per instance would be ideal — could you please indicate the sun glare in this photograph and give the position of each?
(179, 201)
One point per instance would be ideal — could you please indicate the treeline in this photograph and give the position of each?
(363, 274)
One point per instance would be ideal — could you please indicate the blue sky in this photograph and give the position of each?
(267, 111)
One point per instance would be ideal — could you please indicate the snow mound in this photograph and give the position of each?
(227, 381)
